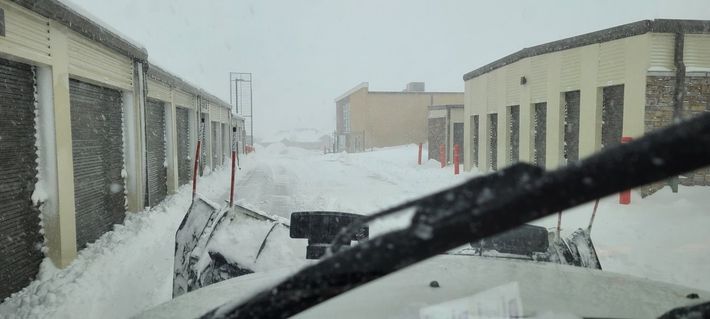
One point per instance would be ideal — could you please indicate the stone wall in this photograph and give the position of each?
(697, 101)
(659, 113)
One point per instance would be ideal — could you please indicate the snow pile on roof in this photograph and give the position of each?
(86, 14)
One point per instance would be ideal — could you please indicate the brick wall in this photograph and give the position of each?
(697, 100)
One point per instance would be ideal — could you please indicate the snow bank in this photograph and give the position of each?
(663, 237)
(124, 272)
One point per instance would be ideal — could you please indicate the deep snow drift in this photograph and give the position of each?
(663, 237)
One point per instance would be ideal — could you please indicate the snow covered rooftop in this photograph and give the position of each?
(614, 33)
(77, 19)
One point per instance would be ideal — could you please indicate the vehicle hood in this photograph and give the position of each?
(539, 288)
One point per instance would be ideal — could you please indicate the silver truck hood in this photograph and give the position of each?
(540, 288)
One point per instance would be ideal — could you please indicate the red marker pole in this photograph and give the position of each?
(456, 159)
(200, 137)
(234, 160)
(419, 158)
(442, 155)
(625, 196)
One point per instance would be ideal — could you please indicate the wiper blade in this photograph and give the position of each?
(458, 216)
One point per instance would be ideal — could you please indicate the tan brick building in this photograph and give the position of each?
(366, 119)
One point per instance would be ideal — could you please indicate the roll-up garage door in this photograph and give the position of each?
(458, 140)
(216, 150)
(226, 147)
(204, 149)
(183, 144)
(436, 136)
(20, 238)
(97, 144)
(155, 152)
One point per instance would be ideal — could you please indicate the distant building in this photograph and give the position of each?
(555, 103)
(366, 119)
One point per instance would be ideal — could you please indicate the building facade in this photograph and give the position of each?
(366, 119)
(558, 102)
(89, 131)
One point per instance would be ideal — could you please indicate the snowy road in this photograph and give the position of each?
(128, 270)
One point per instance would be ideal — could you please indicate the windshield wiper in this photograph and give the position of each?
(509, 198)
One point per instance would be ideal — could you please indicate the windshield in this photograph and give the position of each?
(415, 159)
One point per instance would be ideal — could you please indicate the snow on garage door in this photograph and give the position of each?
(20, 237)
(183, 144)
(436, 136)
(97, 145)
(226, 147)
(216, 149)
(155, 152)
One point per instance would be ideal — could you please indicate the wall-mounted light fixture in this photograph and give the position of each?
(523, 80)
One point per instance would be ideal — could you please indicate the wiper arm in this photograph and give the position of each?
(450, 219)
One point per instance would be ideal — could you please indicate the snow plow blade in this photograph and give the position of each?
(190, 239)
(580, 242)
(575, 250)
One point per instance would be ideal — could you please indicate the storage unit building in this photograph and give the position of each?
(89, 131)
(66, 86)
(558, 102)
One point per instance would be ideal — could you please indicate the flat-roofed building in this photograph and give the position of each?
(558, 102)
(366, 119)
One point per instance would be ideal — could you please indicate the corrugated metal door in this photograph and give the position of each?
(474, 140)
(204, 118)
(155, 152)
(225, 141)
(514, 134)
(183, 144)
(539, 133)
(216, 150)
(20, 238)
(437, 136)
(612, 115)
(571, 126)
(493, 142)
(458, 140)
(97, 145)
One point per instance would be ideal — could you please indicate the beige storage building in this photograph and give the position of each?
(557, 102)
(366, 119)
(85, 119)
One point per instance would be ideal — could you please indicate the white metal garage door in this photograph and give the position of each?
(97, 145)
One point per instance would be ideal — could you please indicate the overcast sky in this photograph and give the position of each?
(303, 54)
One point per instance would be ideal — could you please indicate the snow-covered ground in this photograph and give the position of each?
(663, 237)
